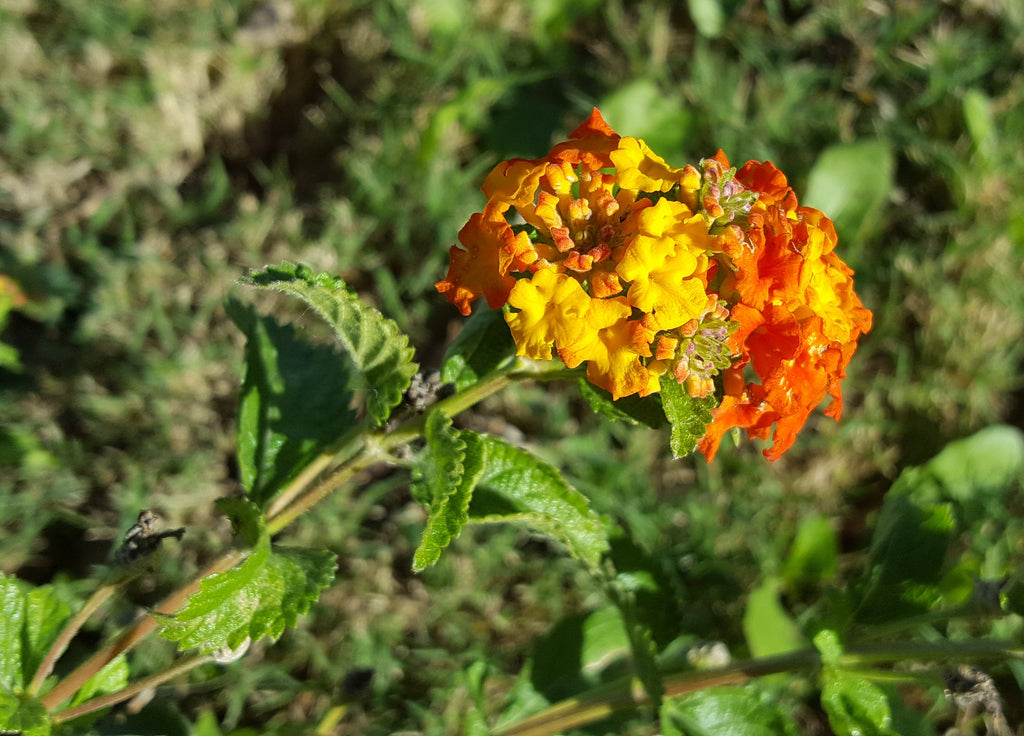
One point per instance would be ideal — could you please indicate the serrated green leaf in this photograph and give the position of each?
(260, 597)
(246, 518)
(30, 620)
(483, 344)
(293, 403)
(23, 716)
(517, 486)
(737, 711)
(453, 464)
(688, 416)
(855, 705)
(379, 352)
(767, 626)
(629, 409)
(907, 559)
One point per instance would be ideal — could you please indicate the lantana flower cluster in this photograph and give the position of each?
(714, 277)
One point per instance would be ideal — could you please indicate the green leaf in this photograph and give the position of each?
(576, 652)
(814, 556)
(378, 350)
(851, 183)
(246, 518)
(768, 627)
(294, 402)
(447, 474)
(22, 715)
(736, 711)
(907, 559)
(708, 17)
(111, 678)
(517, 486)
(979, 467)
(483, 344)
(688, 416)
(629, 409)
(30, 620)
(260, 597)
(855, 705)
(981, 123)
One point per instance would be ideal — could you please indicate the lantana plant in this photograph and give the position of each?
(703, 298)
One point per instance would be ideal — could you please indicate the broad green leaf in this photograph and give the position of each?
(260, 597)
(293, 403)
(708, 16)
(979, 467)
(851, 183)
(23, 716)
(483, 344)
(517, 486)
(767, 626)
(246, 519)
(855, 705)
(629, 409)
(736, 711)
(378, 350)
(907, 559)
(577, 651)
(452, 465)
(30, 620)
(688, 416)
(814, 556)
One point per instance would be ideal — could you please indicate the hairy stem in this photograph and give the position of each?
(105, 701)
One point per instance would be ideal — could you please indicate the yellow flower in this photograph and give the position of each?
(552, 309)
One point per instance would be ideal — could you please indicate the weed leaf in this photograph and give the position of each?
(379, 352)
(742, 711)
(30, 619)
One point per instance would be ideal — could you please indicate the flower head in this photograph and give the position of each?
(607, 255)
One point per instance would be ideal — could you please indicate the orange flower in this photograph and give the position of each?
(606, 254)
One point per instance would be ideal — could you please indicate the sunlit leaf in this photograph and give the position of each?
(112, 677)
(260, 597)
(379, 352)
(688, 416)
(737, 711)
(246, 519)
(855, 705)
(517, 486)
(30, 620)
(629, 409)
(447, 474)
(768, 627)
(294, 402)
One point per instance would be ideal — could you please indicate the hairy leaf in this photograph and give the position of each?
(629, 409)
(738, 711)
(260, 597)
(517, 486)
(379, 352)
(447, 474)
(483, 344)
(688, 416)
(293, 403)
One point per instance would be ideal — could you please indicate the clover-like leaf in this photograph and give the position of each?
(688, 416)
(446, 476)
(293, 403)
(260, 597)
(518, 486)
(379, 352)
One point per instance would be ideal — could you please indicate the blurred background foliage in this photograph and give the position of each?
(152, 152)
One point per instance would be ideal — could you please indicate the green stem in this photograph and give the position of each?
(625, 693)
(105, 701)
(97, 599)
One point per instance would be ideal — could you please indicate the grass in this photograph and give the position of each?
(152, 153)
